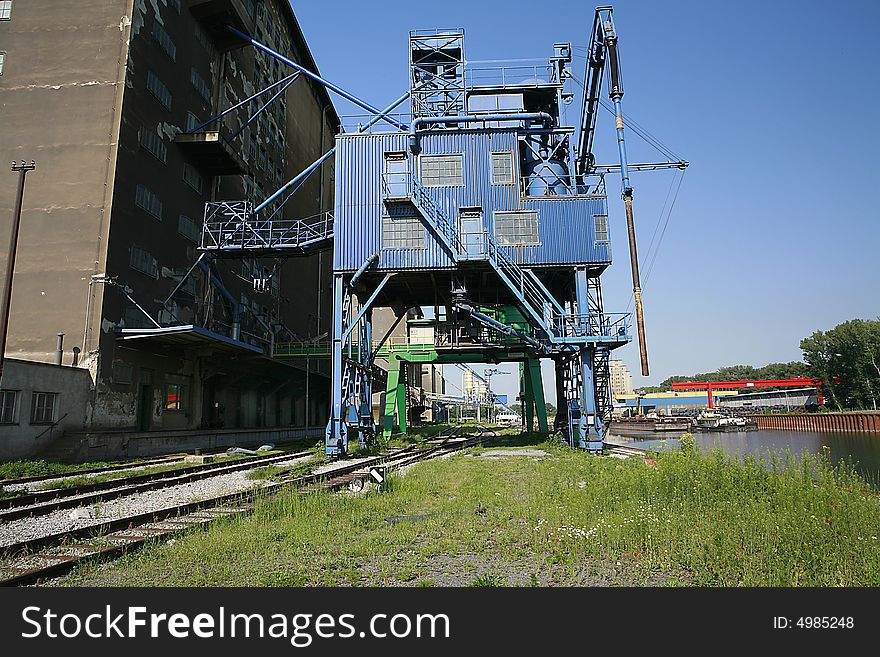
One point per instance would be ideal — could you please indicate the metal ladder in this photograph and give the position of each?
(602, 383)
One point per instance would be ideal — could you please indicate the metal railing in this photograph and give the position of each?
(555, 186)
(540, 303)
(606, 325)
(232, 226)
(510, 76)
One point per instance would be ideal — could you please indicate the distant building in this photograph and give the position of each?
(474, 389)
(671, 401)
(621, 379)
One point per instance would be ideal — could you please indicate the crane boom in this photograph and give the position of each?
(595, 67)
(601, 53)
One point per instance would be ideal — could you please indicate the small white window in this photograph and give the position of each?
(8, 406)
(441, 170)
(601, 223)
(5, 10)
(2, 61)
(502, 168)
(43, 407)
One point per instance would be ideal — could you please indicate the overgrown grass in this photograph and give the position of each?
(568, 519)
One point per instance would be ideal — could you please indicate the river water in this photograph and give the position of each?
(861, 450)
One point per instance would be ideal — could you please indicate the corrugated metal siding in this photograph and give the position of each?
(565, 225)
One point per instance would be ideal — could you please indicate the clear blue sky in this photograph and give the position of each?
(775, 104)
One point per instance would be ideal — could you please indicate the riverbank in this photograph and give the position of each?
(853, 422)
(544, 517)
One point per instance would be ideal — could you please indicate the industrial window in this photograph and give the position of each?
(187, 228)
(201, 86)
(192, 122)
(502, 168)
(162, 37)
(2, 61)
(43, 407)
(516, 228)
(174, 397)
(143, 261)
(5, 10)
(151, 140)
(192, 177)
(159, 90)
(441, 170)
(252, 149)
(189, 283)
(8, 406)
(203, 38)
(601, 230)
(403, 232)
(133, 317)
(147, 200)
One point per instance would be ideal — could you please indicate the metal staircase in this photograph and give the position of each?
(602, 383)
(405, 187)
(533, 296)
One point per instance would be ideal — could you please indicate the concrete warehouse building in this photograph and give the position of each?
(101, 94)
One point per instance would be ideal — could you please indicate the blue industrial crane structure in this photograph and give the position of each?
(478, 205)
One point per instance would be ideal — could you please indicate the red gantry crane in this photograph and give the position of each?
(709, 386)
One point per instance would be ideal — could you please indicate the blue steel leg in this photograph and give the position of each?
(589, 432)
(336, 435)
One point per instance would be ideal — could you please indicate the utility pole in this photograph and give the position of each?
(22, 169)
(488, 374)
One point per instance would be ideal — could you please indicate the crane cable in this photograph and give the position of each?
(654, 142)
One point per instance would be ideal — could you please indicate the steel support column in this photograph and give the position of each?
(401, 403)
(336, 435)
(536, 384)
(394, 365)
(588, 429)
(528, 398)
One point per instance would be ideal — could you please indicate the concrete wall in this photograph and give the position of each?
(74, 97)
(73, 386)
(848, 422)
(60, 103)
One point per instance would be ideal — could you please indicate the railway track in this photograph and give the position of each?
(43, 502)
(49, 556)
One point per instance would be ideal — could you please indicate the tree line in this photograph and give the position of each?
(845, 358)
